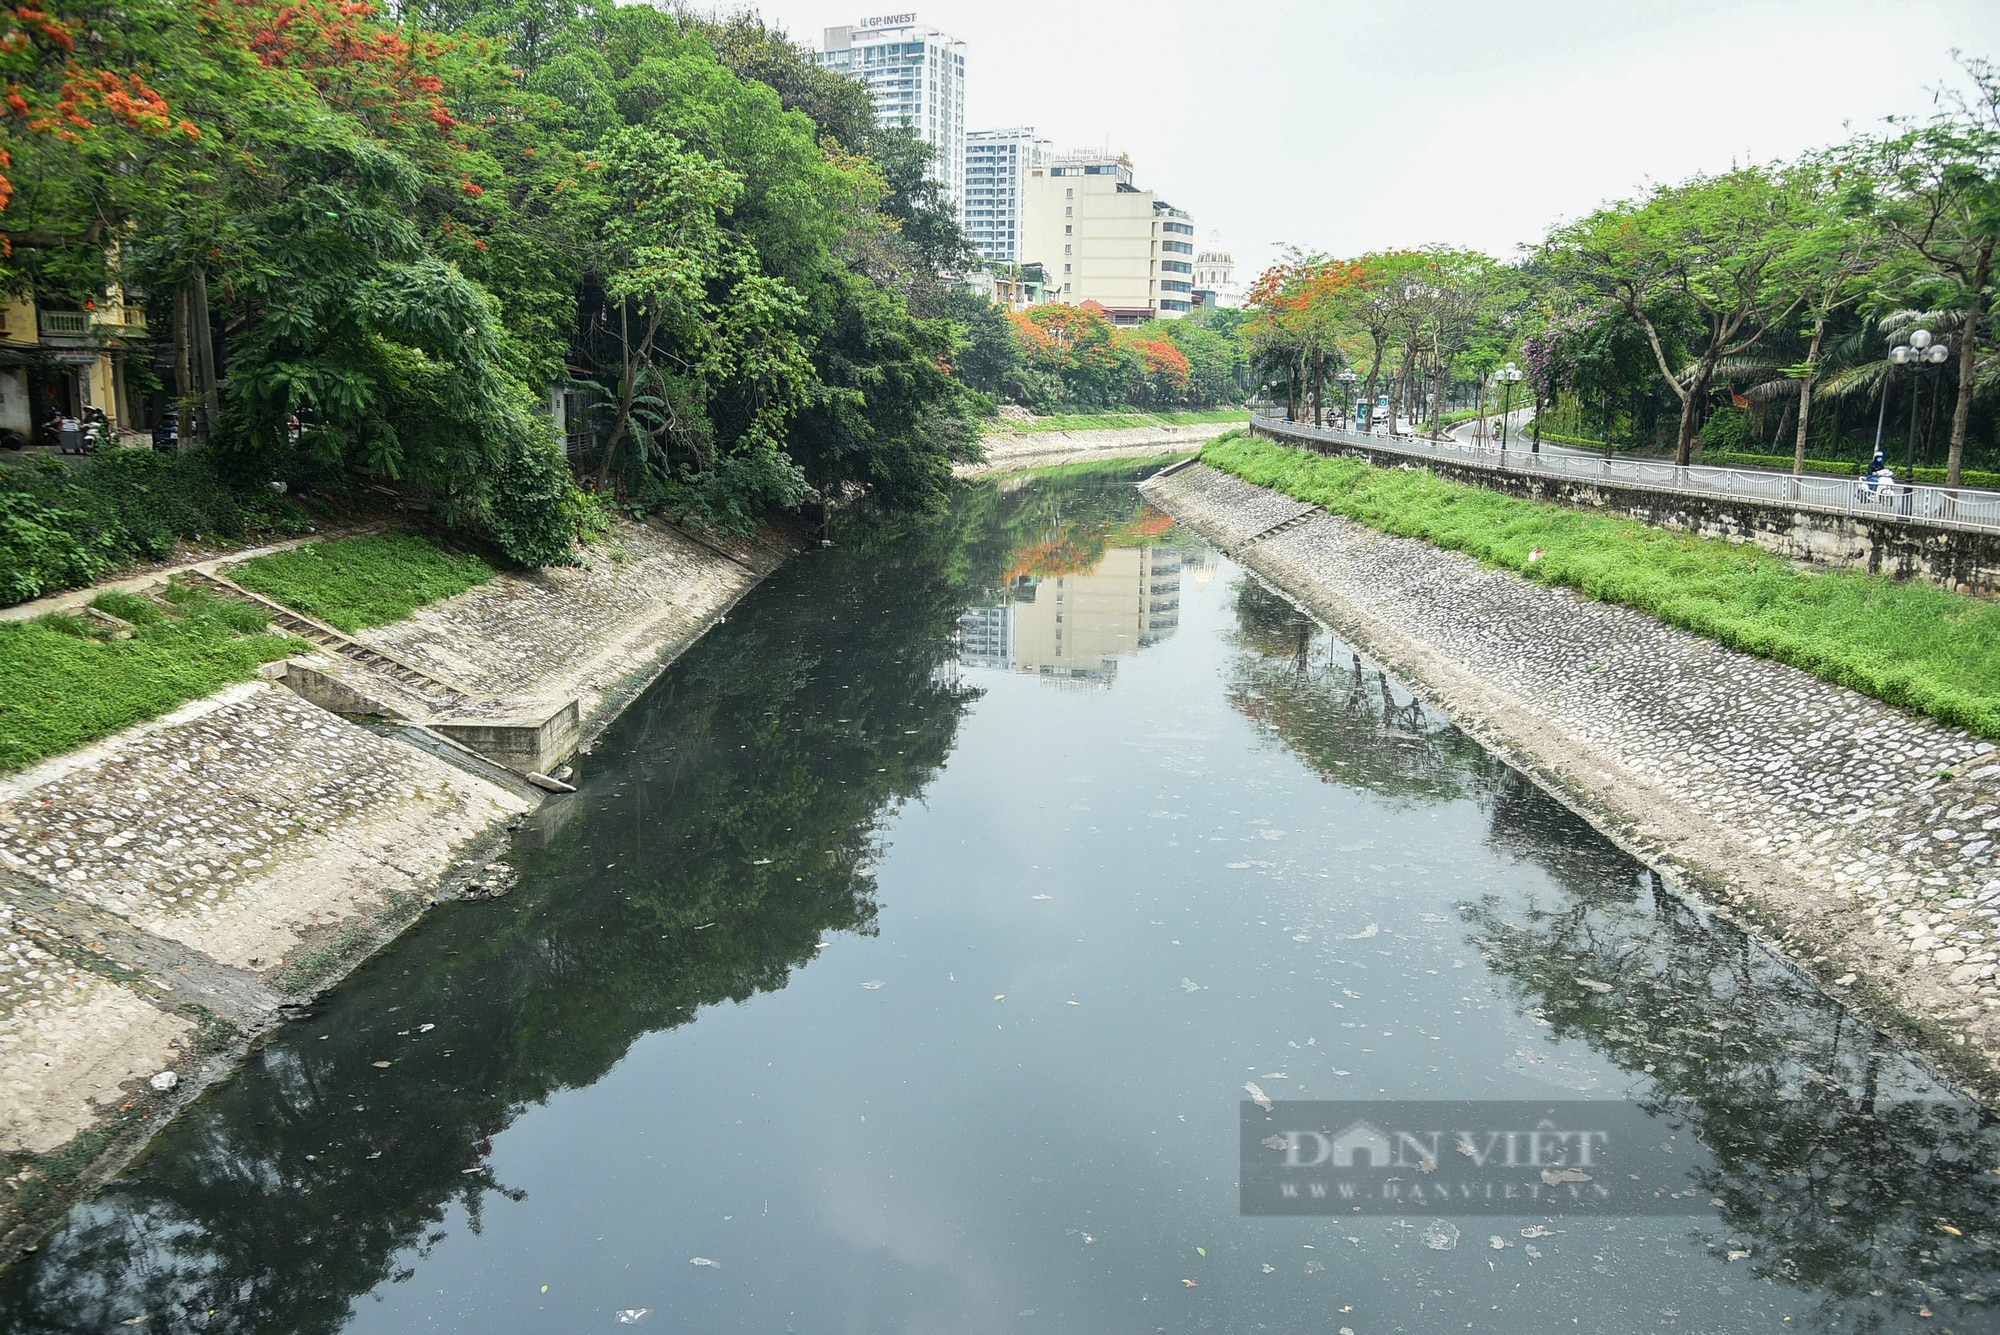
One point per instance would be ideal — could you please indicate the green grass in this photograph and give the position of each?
(1113, 421)
(65, 681)
(1909, 643)
(353, 583)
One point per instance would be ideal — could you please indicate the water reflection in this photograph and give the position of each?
(1842, 1168)
(1080, 592)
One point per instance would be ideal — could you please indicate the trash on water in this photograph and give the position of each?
(1190, 985)
(1593, 984)
(1440, 1235)
(873, 984)
(381, 1065)
(1190, 1284)
(632, 1314)
(703, 1260)
(425, 1028)
(1258, 1096)
(1314, 1267)
(1739, 1255)
(1555, 1177)
(1275, 1143)
(1537, 1231)
(1201, 1251)
(761, 862)
(1041, 896)
(1268, 1268)
(164, 1081)
(999, 996)
(1365, 933)
(1498, 1243)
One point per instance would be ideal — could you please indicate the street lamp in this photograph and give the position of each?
(1509, 375)
(1347, 375)
(1922, 352)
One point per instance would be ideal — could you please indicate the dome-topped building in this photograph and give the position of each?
(1215, 271)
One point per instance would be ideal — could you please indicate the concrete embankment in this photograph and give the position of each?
(1855, 836)
(1011, 451)
(167, 893)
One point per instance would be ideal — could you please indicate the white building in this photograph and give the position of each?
(1101, 238)
(916, 78)
(996, 185)
(1215, 271)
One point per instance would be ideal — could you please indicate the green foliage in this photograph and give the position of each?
(408, 240)
(65, 681)
(1910, 644)
(1727, 430)
(63, 526)
(354, 583)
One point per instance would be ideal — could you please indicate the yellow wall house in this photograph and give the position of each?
(67, 362)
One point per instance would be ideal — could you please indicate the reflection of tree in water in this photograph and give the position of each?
(1346, 720)
(1842, 1169)
(727, 823)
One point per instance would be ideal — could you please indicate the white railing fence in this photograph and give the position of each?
(1942, 506)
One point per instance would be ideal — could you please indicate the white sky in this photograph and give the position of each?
(1342, 126)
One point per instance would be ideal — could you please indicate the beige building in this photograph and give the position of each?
(1075, 627)
(1101, 238)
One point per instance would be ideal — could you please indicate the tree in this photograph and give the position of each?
(1692, 265)
(1935, 191)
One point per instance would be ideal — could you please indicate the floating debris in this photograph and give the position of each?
(1258, 1096)
(1440, 1235)
(1367, 932)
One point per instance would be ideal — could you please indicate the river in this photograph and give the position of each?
(901, 963)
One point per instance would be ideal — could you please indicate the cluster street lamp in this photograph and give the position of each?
(1347, 375)
(1509, 376)
(1923, 351)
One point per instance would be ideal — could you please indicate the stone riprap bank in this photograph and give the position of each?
(166, 892)
(1011, 451)
(1859, 837)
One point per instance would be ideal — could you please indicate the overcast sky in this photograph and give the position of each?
(1344, 127)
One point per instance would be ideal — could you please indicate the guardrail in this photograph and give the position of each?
(1942, 507)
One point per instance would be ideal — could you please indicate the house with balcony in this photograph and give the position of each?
(63, 362)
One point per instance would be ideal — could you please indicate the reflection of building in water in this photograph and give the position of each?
(1073, 627)
(985, 636)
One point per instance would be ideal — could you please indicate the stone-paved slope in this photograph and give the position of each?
(1859, 834)
(579, 631)
(218, 842)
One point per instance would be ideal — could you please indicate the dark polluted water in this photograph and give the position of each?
(903, 960)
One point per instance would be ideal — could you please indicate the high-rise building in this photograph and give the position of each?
(1102, 239)
(1215, 272)
(996, 186)
(916, 78)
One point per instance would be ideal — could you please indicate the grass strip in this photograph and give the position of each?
(66, 681)
(353, 583)
(1905, 642)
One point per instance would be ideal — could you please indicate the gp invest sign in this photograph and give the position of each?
(1539, 1158)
